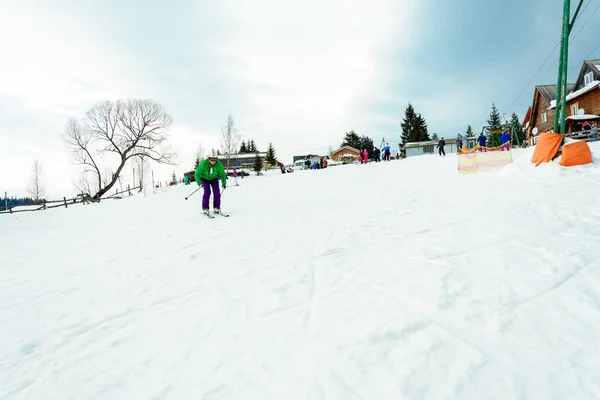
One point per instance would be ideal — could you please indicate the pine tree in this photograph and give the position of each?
(252, 147)
(494, 119)
(353, 140)
(243, 148)
(414, 126)
(270, 157)
(423, 134)
(517, 129)
(469, 131)
(434, 137)
(258, 164)
(366, 143)
(197, 163)
(214, 153)
(174, 177)
(408, 124)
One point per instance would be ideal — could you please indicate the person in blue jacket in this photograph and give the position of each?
(386, 152)
(481, 140)
(505, 141)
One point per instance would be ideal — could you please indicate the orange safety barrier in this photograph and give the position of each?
(546, 147)
(576, 153)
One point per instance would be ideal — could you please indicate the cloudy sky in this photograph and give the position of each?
(297, 73)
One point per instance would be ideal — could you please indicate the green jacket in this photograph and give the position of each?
(210, 172)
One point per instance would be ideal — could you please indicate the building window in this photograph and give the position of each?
(574, 109)
(544, 117)
(428, 149)
(588, 78)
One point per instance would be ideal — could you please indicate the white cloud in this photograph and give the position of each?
(298, 74)
(319, 59)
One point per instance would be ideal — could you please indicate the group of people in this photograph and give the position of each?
(587, 127)
(363, 155)
(322, 163)
(505, 140)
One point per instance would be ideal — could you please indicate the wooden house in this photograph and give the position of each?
(583, 98)
(345, 153)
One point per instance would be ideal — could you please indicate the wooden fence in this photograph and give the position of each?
(80, 198)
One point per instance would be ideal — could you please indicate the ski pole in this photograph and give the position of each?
(193, 192)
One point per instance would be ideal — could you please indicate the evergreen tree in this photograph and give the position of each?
(258, 164)
(243, 148)
(353, 140)
(517, 129)
(408, 124)
(197, 163)
(414, 126)
(423, 134)
(218, 152)
(214, 153)
(469, 131)
(174, 177)
(494, 119)
(270, 157)
(434, 137)
(252, 147)
(366, 143)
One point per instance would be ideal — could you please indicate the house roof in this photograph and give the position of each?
(594, 66)
(527, 117)
(345, 148)
(577, 93)
(428, 143)
(549, 92)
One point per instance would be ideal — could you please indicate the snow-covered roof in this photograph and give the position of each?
(583, 117)
(577, 93)
(428, 143)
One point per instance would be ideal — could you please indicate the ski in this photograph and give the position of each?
(222, 214)
(208, 215)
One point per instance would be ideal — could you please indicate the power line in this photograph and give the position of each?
(552, 52)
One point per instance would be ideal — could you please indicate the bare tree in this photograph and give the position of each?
(230, 138)
(36, 185)
(112, 133)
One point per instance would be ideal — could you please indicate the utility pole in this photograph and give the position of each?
(561, 89)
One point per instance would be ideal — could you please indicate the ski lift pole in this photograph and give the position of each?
(561, 92)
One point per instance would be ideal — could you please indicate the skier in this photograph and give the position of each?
(365, 156)
(440, 146)
(386, 152)
(208, 173)
(235, 175)
(377, 154)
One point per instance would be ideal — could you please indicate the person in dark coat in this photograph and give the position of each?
(440, 146)
(377, 154)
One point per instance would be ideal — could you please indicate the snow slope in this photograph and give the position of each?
(398, 280)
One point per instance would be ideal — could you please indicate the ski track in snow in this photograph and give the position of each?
(397, 280)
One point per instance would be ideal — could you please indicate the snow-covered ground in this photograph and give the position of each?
(398, 280)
